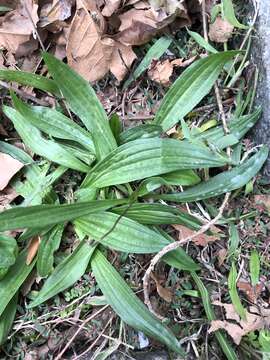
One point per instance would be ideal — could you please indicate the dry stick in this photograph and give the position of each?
(35, 29)
(204, 228)
(174, 246)
(59, 356)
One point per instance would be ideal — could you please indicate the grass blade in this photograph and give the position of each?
(190, 88)
(7, 318)
(232, 284)
(83, 102)
(15, 152)
(127, 305)
(254, 267)
(229, 14)
(221, 338)
(155, 52)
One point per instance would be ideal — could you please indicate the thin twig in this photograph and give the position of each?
(174, 246)
(59, 356)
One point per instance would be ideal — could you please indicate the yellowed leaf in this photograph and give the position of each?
(17, 26)
(202, 239)
(256, 319)
(220, 31)
(8, 168)
(164, 293)
(32, 249)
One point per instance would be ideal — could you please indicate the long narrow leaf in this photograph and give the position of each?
(65, 274)
(29, 79)
(232, 285)
(190, 88)
(126, 304)
(139, 159)
(15, 152)
(225, 182)
(7, 318)
(127, 235)
(49, 149)
(41, 216)
(54, 123)
(15, 277)
(83, 102)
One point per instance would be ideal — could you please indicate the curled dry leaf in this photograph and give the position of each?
(32, 249)
(161, 71)
(200, 240)
(256, 319)
(8, 168)
(54, 13)
(220, 31)
(17, 27)
(92, 54)
(110, 7)
(164, 293)
(252, 292)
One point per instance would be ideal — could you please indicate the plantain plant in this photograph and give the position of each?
(119, 171)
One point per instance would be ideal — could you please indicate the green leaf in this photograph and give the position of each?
(234, 240)
(116, 126)
(127, 305)
(202, 42)
(48, 245)
(15, 277)
(254, 267)
(157, 214)
(7, 318)
(229, 14)
(224, 182)
(83, 101)
(15, 152)
(140, 132)
(154, 53)
(139, 159)
(232, 285)
(48, 148)
(54, 123)
(181, 177)
(41, 216)
(8, 251)
(221, 338)
(190, 88)
(124, 234)
(5, 8)
(238, 128)
(65, 274)
(29, 79)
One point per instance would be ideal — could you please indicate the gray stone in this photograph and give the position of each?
(261, 57)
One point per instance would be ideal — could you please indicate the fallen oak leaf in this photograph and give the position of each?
(256, 319)
(16, 28)
(252, 292)
(201, 239)
(8, 168)
(91, 54)
(32, 249)
(164, 293)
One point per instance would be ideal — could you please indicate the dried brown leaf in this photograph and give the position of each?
(17, 26)
(164, 293)
(55, 12)
(161, 72)
(263, 200)
(252, 292)
(8, 168)
(222, 254)
(256, 319)
(6, 197)
(110, 7)
(220, 31)
(200, 240)
(32, 249)
(93, 55)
